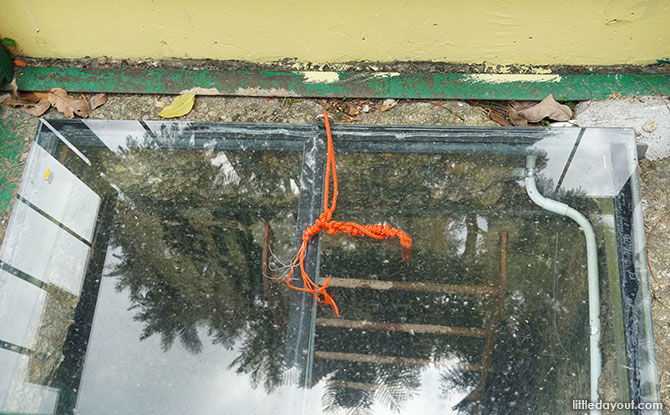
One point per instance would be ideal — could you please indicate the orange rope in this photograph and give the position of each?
(333, 228)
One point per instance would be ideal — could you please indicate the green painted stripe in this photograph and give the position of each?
(343, 84)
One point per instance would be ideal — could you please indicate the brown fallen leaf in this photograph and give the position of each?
(30, 96)
(17, 102)
(39, 108)
(521, 113)
(26, 96)
(39, 102)
(513, 109)
(97, 100)
(15, 88)
(68, 105)
(388, 104)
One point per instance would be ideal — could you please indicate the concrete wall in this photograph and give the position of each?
(574, 32)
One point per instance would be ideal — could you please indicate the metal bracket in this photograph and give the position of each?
(523, 172)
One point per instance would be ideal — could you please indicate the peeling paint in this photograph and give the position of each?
(385, 74)
(494, 68)
(317, 77)
(314, 66)
(265, 92)
(528, 69)
(510, 69)
(507, 78)
(503, 69)
(540, 70)
(202, 91)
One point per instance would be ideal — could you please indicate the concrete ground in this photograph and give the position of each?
(635, 113)
(655, 177)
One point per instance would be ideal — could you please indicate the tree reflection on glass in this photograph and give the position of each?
(450, 205)
(188, 234)
(191, 227)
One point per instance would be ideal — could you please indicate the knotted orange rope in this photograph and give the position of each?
(333, 228)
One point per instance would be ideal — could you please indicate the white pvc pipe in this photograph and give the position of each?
(592, 264)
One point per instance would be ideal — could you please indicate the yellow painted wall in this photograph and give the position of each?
(537, 32)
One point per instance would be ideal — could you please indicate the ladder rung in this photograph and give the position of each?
(428, 287)
(390, 360)
(401, 327)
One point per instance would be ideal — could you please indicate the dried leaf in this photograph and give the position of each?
(17, 102)
(514, 116)
(20, 63)
(40, 108)
(97, 100)
(59, 91)
(649, 126)
(181, 105)
(388, 104)
(521, 115)
(42, 95)
(68, 105)
(15, 88)
(29, 98)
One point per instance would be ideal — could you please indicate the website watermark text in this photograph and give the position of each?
(578, 404)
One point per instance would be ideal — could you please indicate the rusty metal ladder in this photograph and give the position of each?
(488, 333)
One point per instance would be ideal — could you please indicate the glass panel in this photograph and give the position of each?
(21, 305)
(182, 311)
(152, 282)
(53, 189)
(17, 394)
(432, 332)
(599, 164)
(36, 246)
(492, 310)
(183, 289)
